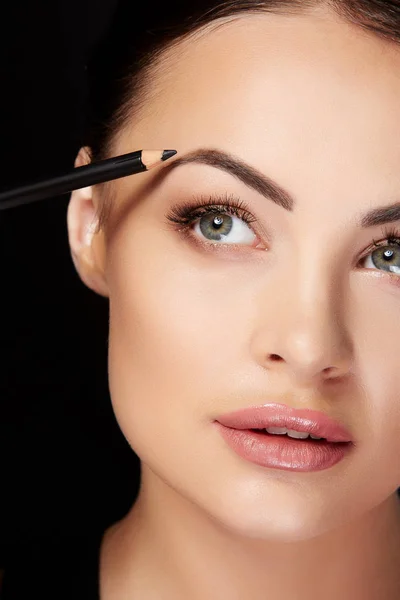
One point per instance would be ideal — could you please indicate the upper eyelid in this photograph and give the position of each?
(225, 203)
(225, 208)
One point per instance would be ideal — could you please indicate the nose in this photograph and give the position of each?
(301, 330)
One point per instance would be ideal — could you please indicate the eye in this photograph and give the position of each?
(217, 220)
(386, 255)
(223, 227)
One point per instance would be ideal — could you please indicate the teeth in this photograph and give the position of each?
(277, 430)
(300, 435)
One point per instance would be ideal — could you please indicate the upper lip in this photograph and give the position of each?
(281, 415)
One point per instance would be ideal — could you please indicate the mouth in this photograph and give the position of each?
(279, 419)
(281, 437)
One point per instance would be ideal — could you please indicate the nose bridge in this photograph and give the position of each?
(308, 328)
(315, 315)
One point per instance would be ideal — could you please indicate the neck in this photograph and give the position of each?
(167, 547)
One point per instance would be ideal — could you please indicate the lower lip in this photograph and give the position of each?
(283, 452)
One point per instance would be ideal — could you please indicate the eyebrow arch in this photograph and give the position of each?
(269, 188)
(241, 170)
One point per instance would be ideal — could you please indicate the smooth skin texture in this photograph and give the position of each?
(195, 328)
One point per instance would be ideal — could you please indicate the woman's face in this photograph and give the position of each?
(195, 323)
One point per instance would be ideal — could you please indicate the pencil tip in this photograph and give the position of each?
(167, 154)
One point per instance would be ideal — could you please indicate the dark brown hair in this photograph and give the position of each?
(138, 40)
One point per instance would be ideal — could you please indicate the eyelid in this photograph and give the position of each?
(183, 213)
(390, 235)
(180, 212)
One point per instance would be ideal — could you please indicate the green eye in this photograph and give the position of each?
(215, 226)
(218, 220)
(386, 258)
(223, 227)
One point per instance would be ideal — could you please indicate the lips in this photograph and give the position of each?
(279, 415)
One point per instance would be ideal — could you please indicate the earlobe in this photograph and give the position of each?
(86, 246)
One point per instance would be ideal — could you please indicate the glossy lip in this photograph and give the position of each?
(281, 415)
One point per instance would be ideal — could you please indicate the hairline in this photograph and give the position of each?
(148, 80)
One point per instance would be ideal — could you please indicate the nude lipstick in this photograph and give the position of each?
(292, 443)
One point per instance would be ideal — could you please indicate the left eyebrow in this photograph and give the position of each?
(381, 215)
(269, 188)
(239, 169)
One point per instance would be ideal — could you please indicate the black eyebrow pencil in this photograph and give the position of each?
(91, 174)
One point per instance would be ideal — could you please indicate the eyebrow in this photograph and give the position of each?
(271, 190)
(241, 170)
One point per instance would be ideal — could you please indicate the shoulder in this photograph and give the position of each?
(63, 567)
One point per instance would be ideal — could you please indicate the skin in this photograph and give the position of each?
(311, 102)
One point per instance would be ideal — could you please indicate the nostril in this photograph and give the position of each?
(275, 357)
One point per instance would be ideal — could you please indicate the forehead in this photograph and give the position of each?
(271, 88)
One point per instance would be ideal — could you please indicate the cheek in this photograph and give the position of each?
(176, 335)
(376, 405)
(375, 328)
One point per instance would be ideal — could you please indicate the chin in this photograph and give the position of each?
(274, 518)
(281, 528)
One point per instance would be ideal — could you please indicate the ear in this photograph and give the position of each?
(87, 248)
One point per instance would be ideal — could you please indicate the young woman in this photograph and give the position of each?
(254, 284)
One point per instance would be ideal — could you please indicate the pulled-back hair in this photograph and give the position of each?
(139, 38)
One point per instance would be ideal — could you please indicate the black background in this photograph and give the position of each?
(64, 465)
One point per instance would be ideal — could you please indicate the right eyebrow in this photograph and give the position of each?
(239, 169)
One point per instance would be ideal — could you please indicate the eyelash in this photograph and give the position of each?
(183, 216)
(391, 237)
